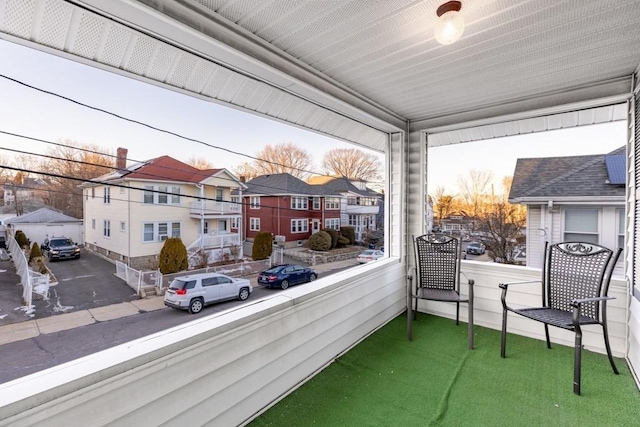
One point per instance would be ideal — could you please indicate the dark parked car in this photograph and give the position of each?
(282, 276)
(475, 248)
(60, 248)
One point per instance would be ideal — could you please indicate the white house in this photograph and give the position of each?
(358, 203)
(130, 212)
(571, 198)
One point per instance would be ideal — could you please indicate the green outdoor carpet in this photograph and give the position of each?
(435, 381)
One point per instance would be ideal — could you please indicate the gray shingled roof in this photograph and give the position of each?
(342, 185)
(281, 184)
(558, 177)
(42, 216)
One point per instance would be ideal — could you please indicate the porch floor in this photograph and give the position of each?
(435, 381)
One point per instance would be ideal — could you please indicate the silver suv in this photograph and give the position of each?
(194, 292)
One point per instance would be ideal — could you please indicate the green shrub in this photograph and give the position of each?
(320, 241)
(173, 256)
(262, 246)
(35, 252)
(349, 233)
(21, 239)
(342, 242)
(334, 236)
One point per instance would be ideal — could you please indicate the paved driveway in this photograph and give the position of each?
(84, 283)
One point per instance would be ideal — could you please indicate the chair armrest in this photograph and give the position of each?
(577, 302)
(505, 285)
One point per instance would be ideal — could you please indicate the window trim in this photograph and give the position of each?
(597, 233)
(254, 202)
(106, 228)
(332, 203)
(157, 237)
(299, 225)
(254, 224)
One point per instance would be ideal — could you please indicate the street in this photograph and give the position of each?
(31, 355)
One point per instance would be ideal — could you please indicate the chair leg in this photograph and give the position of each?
(577, 361)
(409, 320)
(457, 313)
(546, 332)
(470, 324)
(503, 340)
(605, 332)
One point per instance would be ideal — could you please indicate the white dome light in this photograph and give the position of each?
(450, 25)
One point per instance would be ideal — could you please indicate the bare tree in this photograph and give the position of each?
(443, 204)
(245, 170)
(474, 190)
(74, 160)
(199, 163)
(281, 158)
(352, 163)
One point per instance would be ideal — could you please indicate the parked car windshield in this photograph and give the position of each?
(60, 242)
(182, 284)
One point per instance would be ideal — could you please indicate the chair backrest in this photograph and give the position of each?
(575, 270)
(438, 261)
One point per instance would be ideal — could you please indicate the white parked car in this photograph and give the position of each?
(194, 292)
(369, 255)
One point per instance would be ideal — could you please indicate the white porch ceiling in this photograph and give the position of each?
(355, 69)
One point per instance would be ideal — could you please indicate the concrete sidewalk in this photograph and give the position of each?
(49, 325)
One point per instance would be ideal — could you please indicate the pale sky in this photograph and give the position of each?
(28, 112)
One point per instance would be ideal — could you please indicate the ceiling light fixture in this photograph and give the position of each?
(450, 25)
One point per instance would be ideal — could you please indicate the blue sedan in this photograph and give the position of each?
(282, 276)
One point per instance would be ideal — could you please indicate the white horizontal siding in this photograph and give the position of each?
(221, 369)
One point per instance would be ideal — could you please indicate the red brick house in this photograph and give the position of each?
(288, 207)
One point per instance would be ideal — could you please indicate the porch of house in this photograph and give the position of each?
(578, 61)
(435, 380)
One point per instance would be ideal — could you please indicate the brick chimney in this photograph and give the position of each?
(243, 178)
(121, 158)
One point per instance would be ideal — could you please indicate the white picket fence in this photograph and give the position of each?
(136, 279)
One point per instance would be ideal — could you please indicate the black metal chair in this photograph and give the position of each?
(437, 277)
(575, 284)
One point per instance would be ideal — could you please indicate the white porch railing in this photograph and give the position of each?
(215, 241)
(22, 268)
(208, 208)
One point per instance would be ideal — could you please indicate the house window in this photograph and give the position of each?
(234, 222)
(175, 195)
(332, 203)
(254, 224)
(93, 224)
(332, 223)
(86, 195)
(621, 218)
(122, 226)
(93, 192)
(106, 197)
(316, 203)
(148, 232)
(159, 231)
(161, 195)
(255, 202)
(148, 194)
(205, 227)
(581, 225)
(219, 194)
(300, 203)
(299, 225)
(106, 228)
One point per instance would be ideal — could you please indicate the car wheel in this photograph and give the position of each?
(195, 306)
(284, 285)
(244, 294)
(312, 277)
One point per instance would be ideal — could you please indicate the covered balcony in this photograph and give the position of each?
(373, 74)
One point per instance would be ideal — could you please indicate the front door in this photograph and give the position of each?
(205, 228)
(315, 226)
(222, 226)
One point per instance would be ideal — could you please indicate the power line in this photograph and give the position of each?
(101, 110)
(152, 176)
